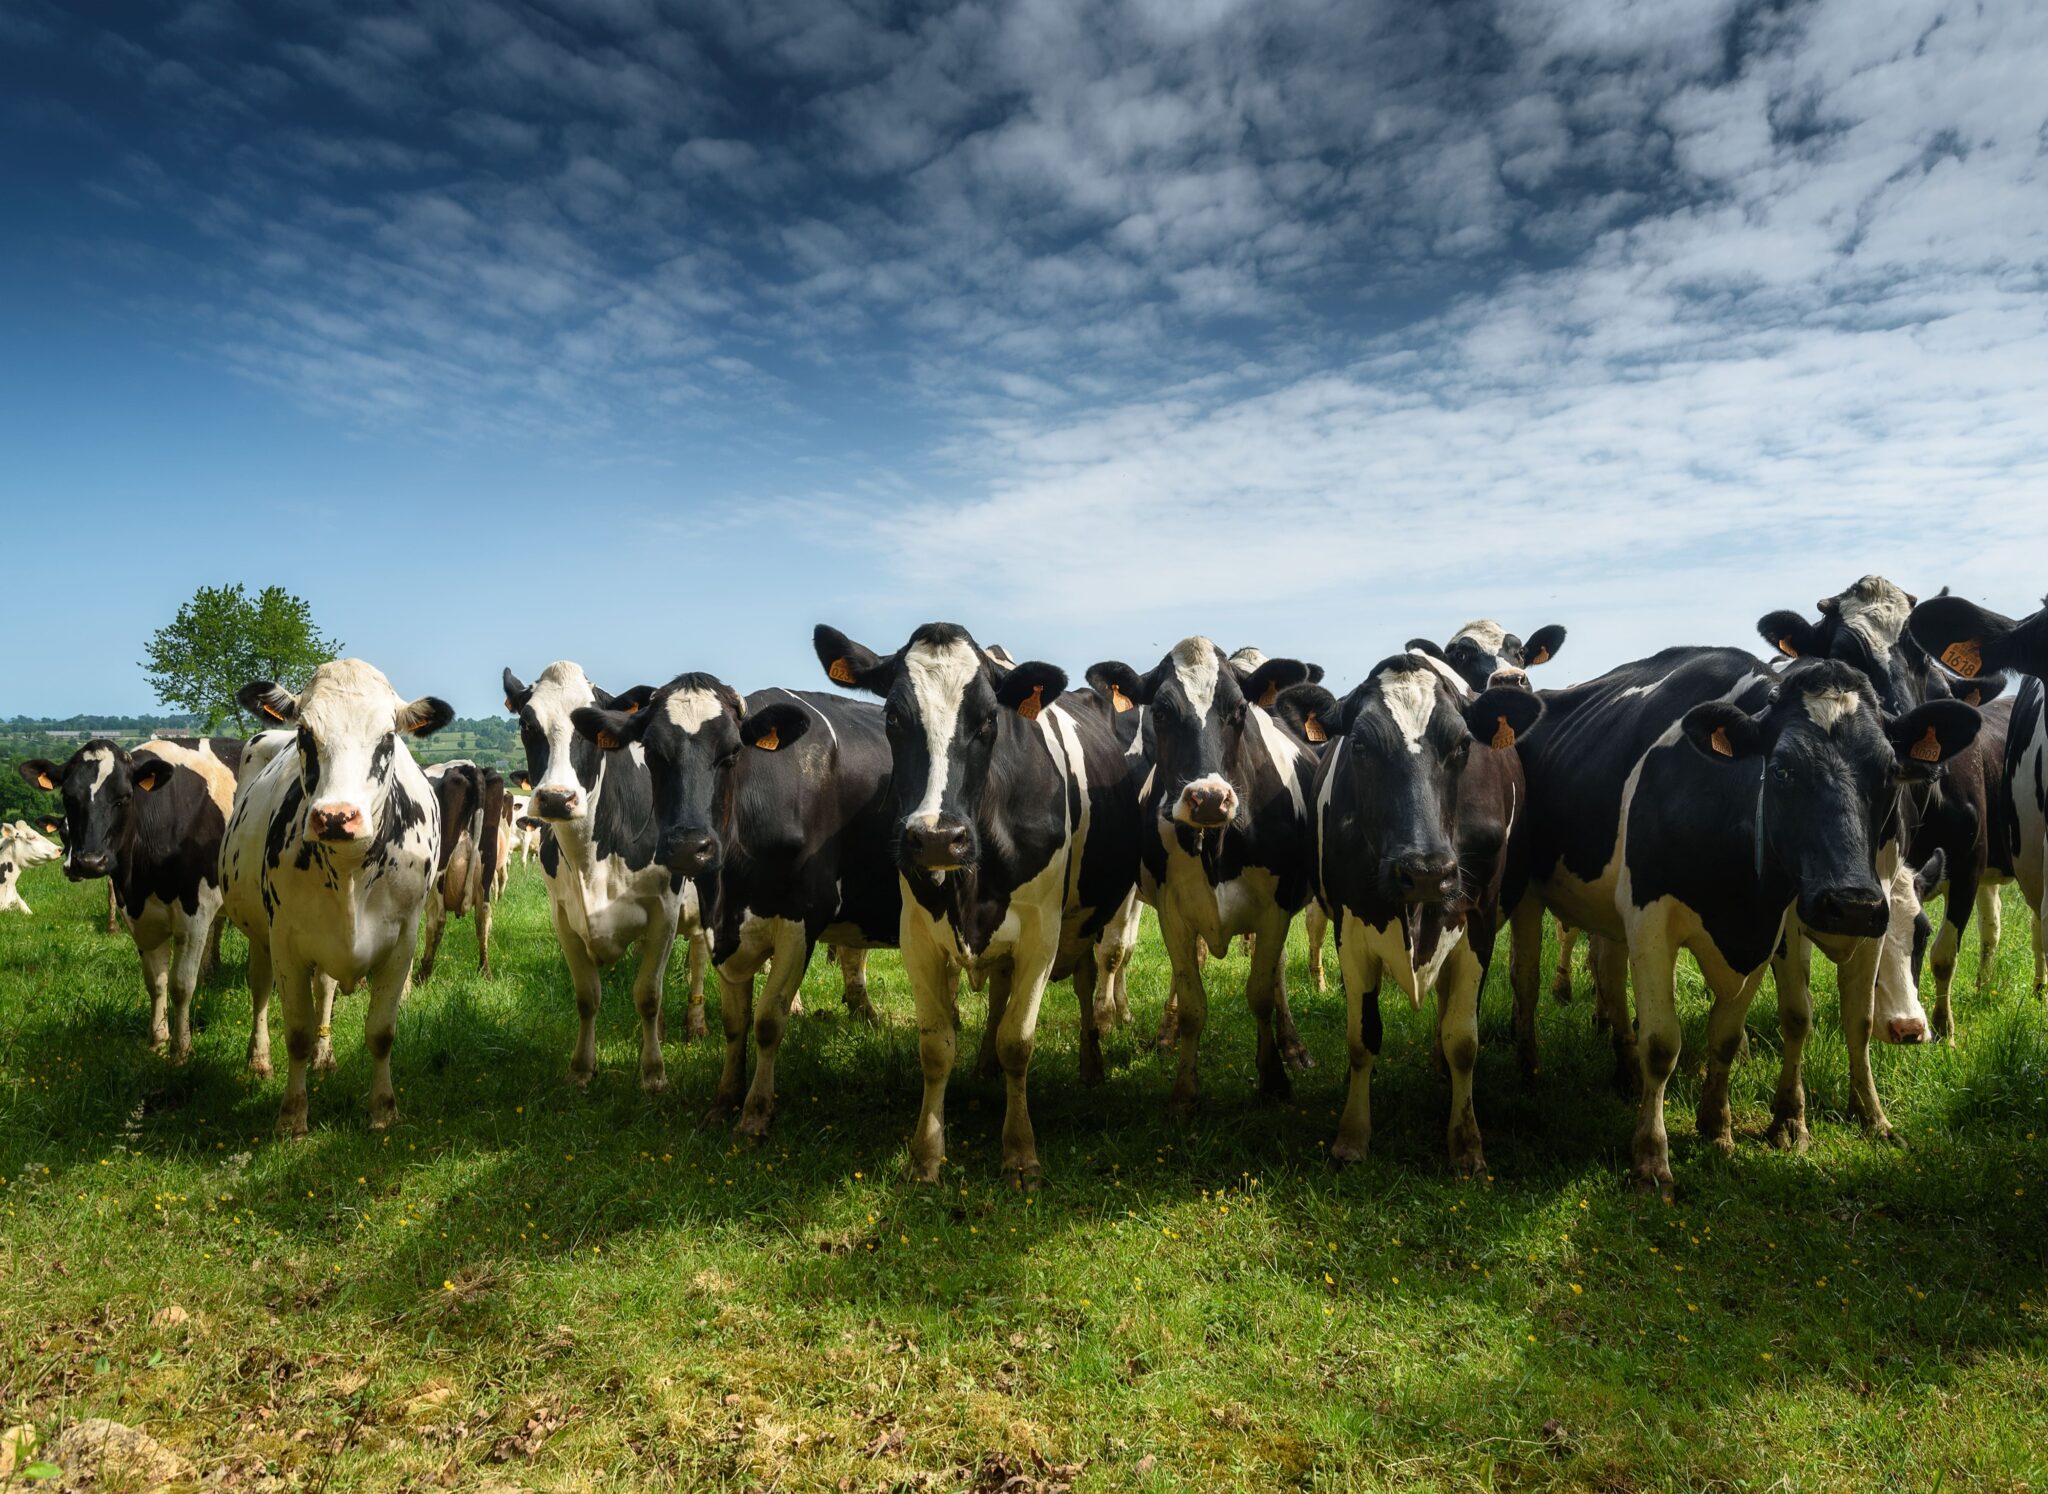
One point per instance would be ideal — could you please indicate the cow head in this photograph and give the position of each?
(98, 785)
(946, 707)
(348, 721)
(1826, 763)
(564, 768)
(1199, 707)
(1408, 737)
(1864, 627)
(694, 732)
(1973, 642)
(1483, 653)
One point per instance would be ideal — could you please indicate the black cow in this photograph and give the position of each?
(1016, 840)
(776, 811)
(1695, 801)
(151, 821)
(471, 800)
(1484, 653)
(1224, 832)
(1396, 862)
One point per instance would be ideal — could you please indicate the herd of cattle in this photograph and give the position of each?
(989, 821)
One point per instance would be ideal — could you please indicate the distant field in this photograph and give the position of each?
(528, 1287)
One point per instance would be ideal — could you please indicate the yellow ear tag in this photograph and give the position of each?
(840, 670)
(1119, 700)
(1785, 647)
(1927, 749)
(1503, 734)
(511, 707)
(632, 708)
(1313, 730)
(607, 741)
(1272, 694)
(1032, 704)
(1720, 743)
(1964, 657)
(769, 740)
(1541, 655)
(44, 780)
(271, 711)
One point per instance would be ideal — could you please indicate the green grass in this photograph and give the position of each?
(546, 1289)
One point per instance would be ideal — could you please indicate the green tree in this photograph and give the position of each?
(223, 638)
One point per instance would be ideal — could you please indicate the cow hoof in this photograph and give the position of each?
(323, 1063)
(1343, 1153)
(694, 1025)
(753, 1124)
(1169, 1036)
(1025, 1177)
(1275, 1085)
(1724, 1144)
(654, 1083)
(581, 1078)
(1561, 993)
(383, 1117)
(720, 1113)
(1885, 1136)
(1468, 1164)
(260, 1070)
(860, 1009)
(921, 1172)
(179, 1057)
(1658, 1183)
(1296, 1056)
(291, 1122)
(1181, 1109)
(1789, 1136)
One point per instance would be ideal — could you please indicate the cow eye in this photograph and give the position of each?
(1782, 773)
(987, 729)
(892, 718)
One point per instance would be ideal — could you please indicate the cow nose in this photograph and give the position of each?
(1208, 804)
(692, 852)
(80, 866)
(337, 821)
(1906, 1029)
(938, 847)
(1849, 910)
(1517, 678)
(1421, 876)
(556, 804)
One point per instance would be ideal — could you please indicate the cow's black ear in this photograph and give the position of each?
(775, 727)
(1542, 646)
(1309, 711)
(1788, 633)
(1722, 731)
(425, 716)
(632, 702)
(1263, 685)
(1982, 690)
(1030, 688)
(149, 773)
(1931, 874)
(1502, 715)
(1119, 684)
(610, 729)
(1929, 735)
(1966, 638)
(49, 824)
(999, 658)
(1315, 674)
(1426, 646)
(40, 772)
(516, 694)
(268, 702)
(520, 778)
(851, 664)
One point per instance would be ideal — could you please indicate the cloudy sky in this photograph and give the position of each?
(650, 334)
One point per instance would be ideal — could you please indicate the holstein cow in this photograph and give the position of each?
(776, 810)
(607, 888)
(21, 846)
(1224, 833)
(329, 859)
(150, 821)
(1399, 858)
(470, 801)
(1970, 641)
(1695, 801)
(1015, 836)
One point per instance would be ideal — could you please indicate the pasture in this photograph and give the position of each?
(524, 1286)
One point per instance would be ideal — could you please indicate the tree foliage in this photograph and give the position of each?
(223, 638)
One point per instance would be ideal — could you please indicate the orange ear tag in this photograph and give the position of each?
(1119, 700)
(769, 740)
(1927, 749)
(1964, 657)
(1032, 704)
(840, 670)
(1272, 694)
(1720, 743)
(511, 707)
(1313, 730)
(607, 741)
(44, 780)
(1503, 734)
(271, 711)
(1785, 647)
(1541, 655)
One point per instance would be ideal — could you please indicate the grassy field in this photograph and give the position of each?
(528, 1287)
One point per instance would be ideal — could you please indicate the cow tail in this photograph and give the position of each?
(494, 813)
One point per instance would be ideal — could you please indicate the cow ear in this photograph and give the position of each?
(1788, 633)
(40, 772)
(1966, 638)
(425, 716)
(149, 773)
(1030, 688)
(268, 702)
(1542, 646)
(610, 729)
(1425, 646)
(775, 727)
(1119, 684)
(1000, 658)
(1723, 732)
(516, 694)
(850, 664)
(1929, 735)
(1931, 874)
(50, 824)
(1982, 690)
(1263, 685)
(1501, 716)
(632, 702)
(1309, 711)
(520, 778)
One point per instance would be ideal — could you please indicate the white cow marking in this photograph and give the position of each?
(1410, 698)
(692, 709)
(939, 674)
(1194, 665)
(1827, 707)
(1877, 610)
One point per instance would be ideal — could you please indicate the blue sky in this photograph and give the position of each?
(650, 334)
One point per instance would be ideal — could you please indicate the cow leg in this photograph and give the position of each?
(1188, 1006)
(997, 981)
(295, 985)
(589, 987)
(1789, 967)
(1947, 943)
(323, 1038)
(1086, 976)
(1525, 960)
(1725, 1027)
(647, 983)
(1293, 1051)
(188, 953)
(1265, 990)
(113, 909)
(1361, 973)
(938, 1021)
(1561, 983)
(1652, 960)
(388, 983)
(771, 1021)
(1029, 971)
(437, 924)
(483, 938)
(1608, 961)
(211, 960)
(1990, 921)
(156, 979)
(259, 1006)
(698, 958)
(1457, 998)
(1857, 979)
(1112, 955)
(1315, 923)
(2040, 947)
(736, 1016)
(853, 983)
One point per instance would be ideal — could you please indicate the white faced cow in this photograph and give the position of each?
(150, 821)
(21, 846)
(329, 857)
(1016, 844)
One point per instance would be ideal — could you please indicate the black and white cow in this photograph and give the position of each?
(1397, 862)
(470, 799)
(150, 821)
(608, 890)
(1693, 800)
(1223, 844)
(1016, 842)
(1971, 641)
(328, 861)
(1483, 653)
(21, 846)
(776, 810)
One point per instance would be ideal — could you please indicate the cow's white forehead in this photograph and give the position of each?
(1195, 666)
(348, 695)
(101, 760)
(939, 674)
(1827, 707)
(561, 688)
(691, 709)
(1410, 698)
(1488, 634)
(1877, 609)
